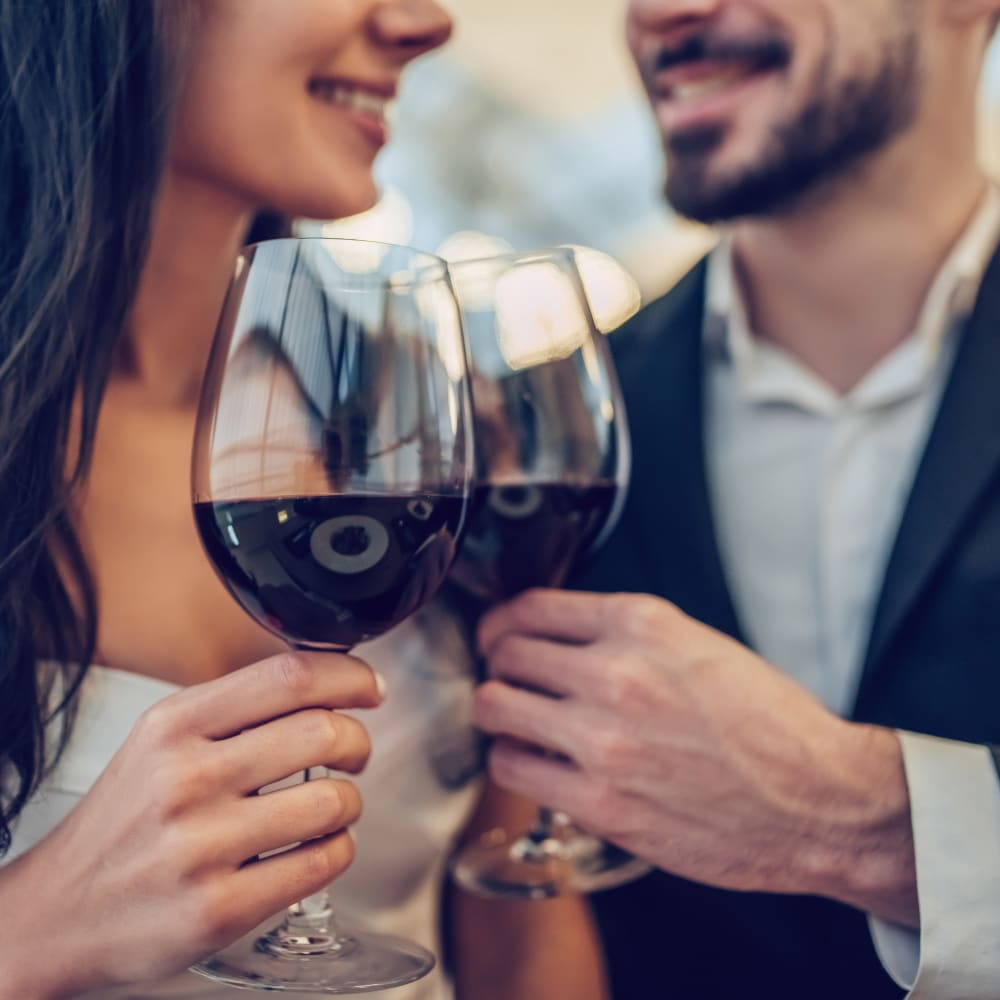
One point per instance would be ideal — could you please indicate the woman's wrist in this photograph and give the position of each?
(36, 954)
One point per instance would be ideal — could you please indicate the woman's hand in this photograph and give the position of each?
(156, 866)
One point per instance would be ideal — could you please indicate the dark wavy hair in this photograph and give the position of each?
(86, 90)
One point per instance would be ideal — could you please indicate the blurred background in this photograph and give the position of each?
(528, 130)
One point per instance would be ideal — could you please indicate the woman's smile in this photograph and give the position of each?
(366, 104)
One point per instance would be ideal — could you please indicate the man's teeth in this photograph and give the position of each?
(349, 97)
(694, 89)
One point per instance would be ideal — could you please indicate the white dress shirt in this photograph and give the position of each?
(808, 488)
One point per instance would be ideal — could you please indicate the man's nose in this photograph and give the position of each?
(660, 15)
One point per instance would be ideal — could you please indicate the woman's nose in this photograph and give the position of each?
(412, 27)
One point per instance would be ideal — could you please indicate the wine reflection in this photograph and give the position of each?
(316, 438)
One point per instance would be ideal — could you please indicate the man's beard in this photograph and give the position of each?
(832, 134)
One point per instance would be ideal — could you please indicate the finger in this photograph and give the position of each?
(551, 782)
(267, 886)
(271, 688)
(307, 811)
(554, 667)
(277, 749)
(545, 722)
(551, 614)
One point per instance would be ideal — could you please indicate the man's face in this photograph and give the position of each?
(759, 101)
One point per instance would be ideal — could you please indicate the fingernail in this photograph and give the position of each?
(381, 685)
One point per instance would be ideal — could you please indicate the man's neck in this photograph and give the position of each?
(842, 281)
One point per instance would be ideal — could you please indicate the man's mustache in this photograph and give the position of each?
(765, 53)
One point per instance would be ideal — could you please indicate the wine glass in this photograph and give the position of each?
(552, 466)
(331, 474)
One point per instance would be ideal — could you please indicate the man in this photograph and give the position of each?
(816, 472)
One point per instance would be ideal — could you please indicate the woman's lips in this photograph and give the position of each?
(367, 105)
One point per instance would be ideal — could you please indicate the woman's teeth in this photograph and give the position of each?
(363, 101)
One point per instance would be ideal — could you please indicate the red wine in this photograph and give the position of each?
(332, 571)
(528, 535)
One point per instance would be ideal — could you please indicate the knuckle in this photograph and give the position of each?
(353, 805)
(622, 686)
(501, 655)
(321, 728)
(498, 764)
(183, 853)
(210, 771)
(325, 860)
(215, 920)
(488, 704)
(294, 673)
(531, 604)
(177, 784)
(639, 614)
(506, 655)
(318, 867)
(328, 804)
(365, 682)
(341, 853)
(155, 726)
(359, 744)
(609, 753)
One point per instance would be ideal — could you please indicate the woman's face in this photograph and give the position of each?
(284, 101)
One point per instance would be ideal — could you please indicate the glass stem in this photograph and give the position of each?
(309, 928)
(313, 914)
(544, 826)
(537, 845)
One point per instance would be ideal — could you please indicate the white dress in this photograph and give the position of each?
(418, 789)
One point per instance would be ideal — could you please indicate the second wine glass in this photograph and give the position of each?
(552, 467)
(331, 474)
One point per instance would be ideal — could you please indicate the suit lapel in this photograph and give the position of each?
(669, 511)
(962, 456)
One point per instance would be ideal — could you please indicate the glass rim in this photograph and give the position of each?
(426, 266)
(565, 251)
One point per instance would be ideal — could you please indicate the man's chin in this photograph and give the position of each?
(695, 143)
(700, 194)
(697, 187)
(692, 195)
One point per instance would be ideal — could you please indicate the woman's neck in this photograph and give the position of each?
(197, 232)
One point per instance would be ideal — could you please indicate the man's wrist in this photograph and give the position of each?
(861, 849)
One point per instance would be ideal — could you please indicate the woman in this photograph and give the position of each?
(139, 136)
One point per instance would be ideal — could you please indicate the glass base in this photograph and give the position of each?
(599, 865)
(353, 962)
(499, 866)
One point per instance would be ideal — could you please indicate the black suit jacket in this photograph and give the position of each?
(932, 663)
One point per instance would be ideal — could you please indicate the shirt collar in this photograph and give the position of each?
(766, 373)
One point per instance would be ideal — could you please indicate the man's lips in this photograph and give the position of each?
(699, 80)
(699, 68)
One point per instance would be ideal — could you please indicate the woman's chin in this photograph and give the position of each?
(338, 204)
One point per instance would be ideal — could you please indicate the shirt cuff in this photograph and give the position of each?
(955, 812)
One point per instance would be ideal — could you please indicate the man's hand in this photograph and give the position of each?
(685, 748)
